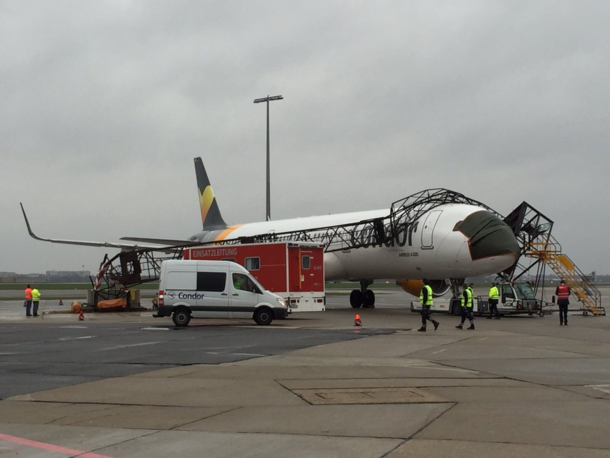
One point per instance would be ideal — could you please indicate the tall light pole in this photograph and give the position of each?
(268, 99)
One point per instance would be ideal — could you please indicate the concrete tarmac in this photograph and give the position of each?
(515, 387)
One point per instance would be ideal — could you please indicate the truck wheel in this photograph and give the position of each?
(541, 314)
(181, 317)
(356, 298)
(263, 316)
(530, 313)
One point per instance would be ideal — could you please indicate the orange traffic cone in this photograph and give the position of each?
(357, 321)
(81, 316)
(61, 302)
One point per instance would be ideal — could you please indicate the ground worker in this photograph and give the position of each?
(466, 307)
(425, 299)
(563, 292)
(494, 294)
(35, 300)
(28, 300)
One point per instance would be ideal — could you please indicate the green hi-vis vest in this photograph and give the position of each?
(469, 303)
(421, 296)
(493, 292)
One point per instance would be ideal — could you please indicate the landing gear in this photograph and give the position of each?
(363, 297)
(356, 299)
(369, 298)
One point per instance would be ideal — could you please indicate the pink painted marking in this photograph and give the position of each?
(50, 447)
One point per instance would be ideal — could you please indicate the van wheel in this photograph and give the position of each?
(181, 317)
(263, 316)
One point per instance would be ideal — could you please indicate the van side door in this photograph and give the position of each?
(212, 295)
(244, 295)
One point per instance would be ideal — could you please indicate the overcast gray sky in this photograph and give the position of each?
(104, 105)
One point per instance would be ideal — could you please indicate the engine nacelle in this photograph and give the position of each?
(411, 286)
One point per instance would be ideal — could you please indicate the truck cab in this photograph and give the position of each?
(518, 298)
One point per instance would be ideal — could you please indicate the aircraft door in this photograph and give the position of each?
(245, 294)
(427, 239)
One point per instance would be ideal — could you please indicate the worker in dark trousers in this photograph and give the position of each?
(466, 307)
(425, 299)
(471, 288)
(494, 294)
(563, 292)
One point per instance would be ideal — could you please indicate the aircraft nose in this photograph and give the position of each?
(489, 236)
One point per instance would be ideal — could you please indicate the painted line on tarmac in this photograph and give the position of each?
(118, 347)
(50, 447)
(155, 329)
(247, 354)
(66, 339)
(603, 388)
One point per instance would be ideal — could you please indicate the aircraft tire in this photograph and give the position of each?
(369, 298)
(356, 298)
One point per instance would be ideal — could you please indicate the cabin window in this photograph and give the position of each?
(305, 262)
(252, 264)
(211, 281)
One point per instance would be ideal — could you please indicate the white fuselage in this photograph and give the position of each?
(433, 249)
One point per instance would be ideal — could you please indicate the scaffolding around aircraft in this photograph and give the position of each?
(531, 228)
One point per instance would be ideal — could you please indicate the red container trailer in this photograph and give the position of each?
(294, 270)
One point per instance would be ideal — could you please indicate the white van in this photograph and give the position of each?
(214, 289)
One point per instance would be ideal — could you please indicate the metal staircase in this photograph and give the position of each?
(533, 232)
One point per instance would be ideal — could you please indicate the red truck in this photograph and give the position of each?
(293, 270)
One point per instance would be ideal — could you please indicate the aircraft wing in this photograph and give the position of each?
(122, 246)
(162, 241)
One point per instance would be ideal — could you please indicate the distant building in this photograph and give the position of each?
(67, 276)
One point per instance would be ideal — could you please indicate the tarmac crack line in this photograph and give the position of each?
(430, 422)
(177, 427)
(518, 443)
(542, 385)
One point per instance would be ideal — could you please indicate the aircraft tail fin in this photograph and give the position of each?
(210, 213)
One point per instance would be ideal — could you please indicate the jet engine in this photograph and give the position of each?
(414, 286)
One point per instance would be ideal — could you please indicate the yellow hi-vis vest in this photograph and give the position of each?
(493, 292)
(421, 296)
(469, 302)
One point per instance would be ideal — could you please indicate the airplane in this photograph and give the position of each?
(449, 241)
(443, 243)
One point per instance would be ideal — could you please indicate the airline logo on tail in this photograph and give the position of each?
(205, 202)
(210, 214)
